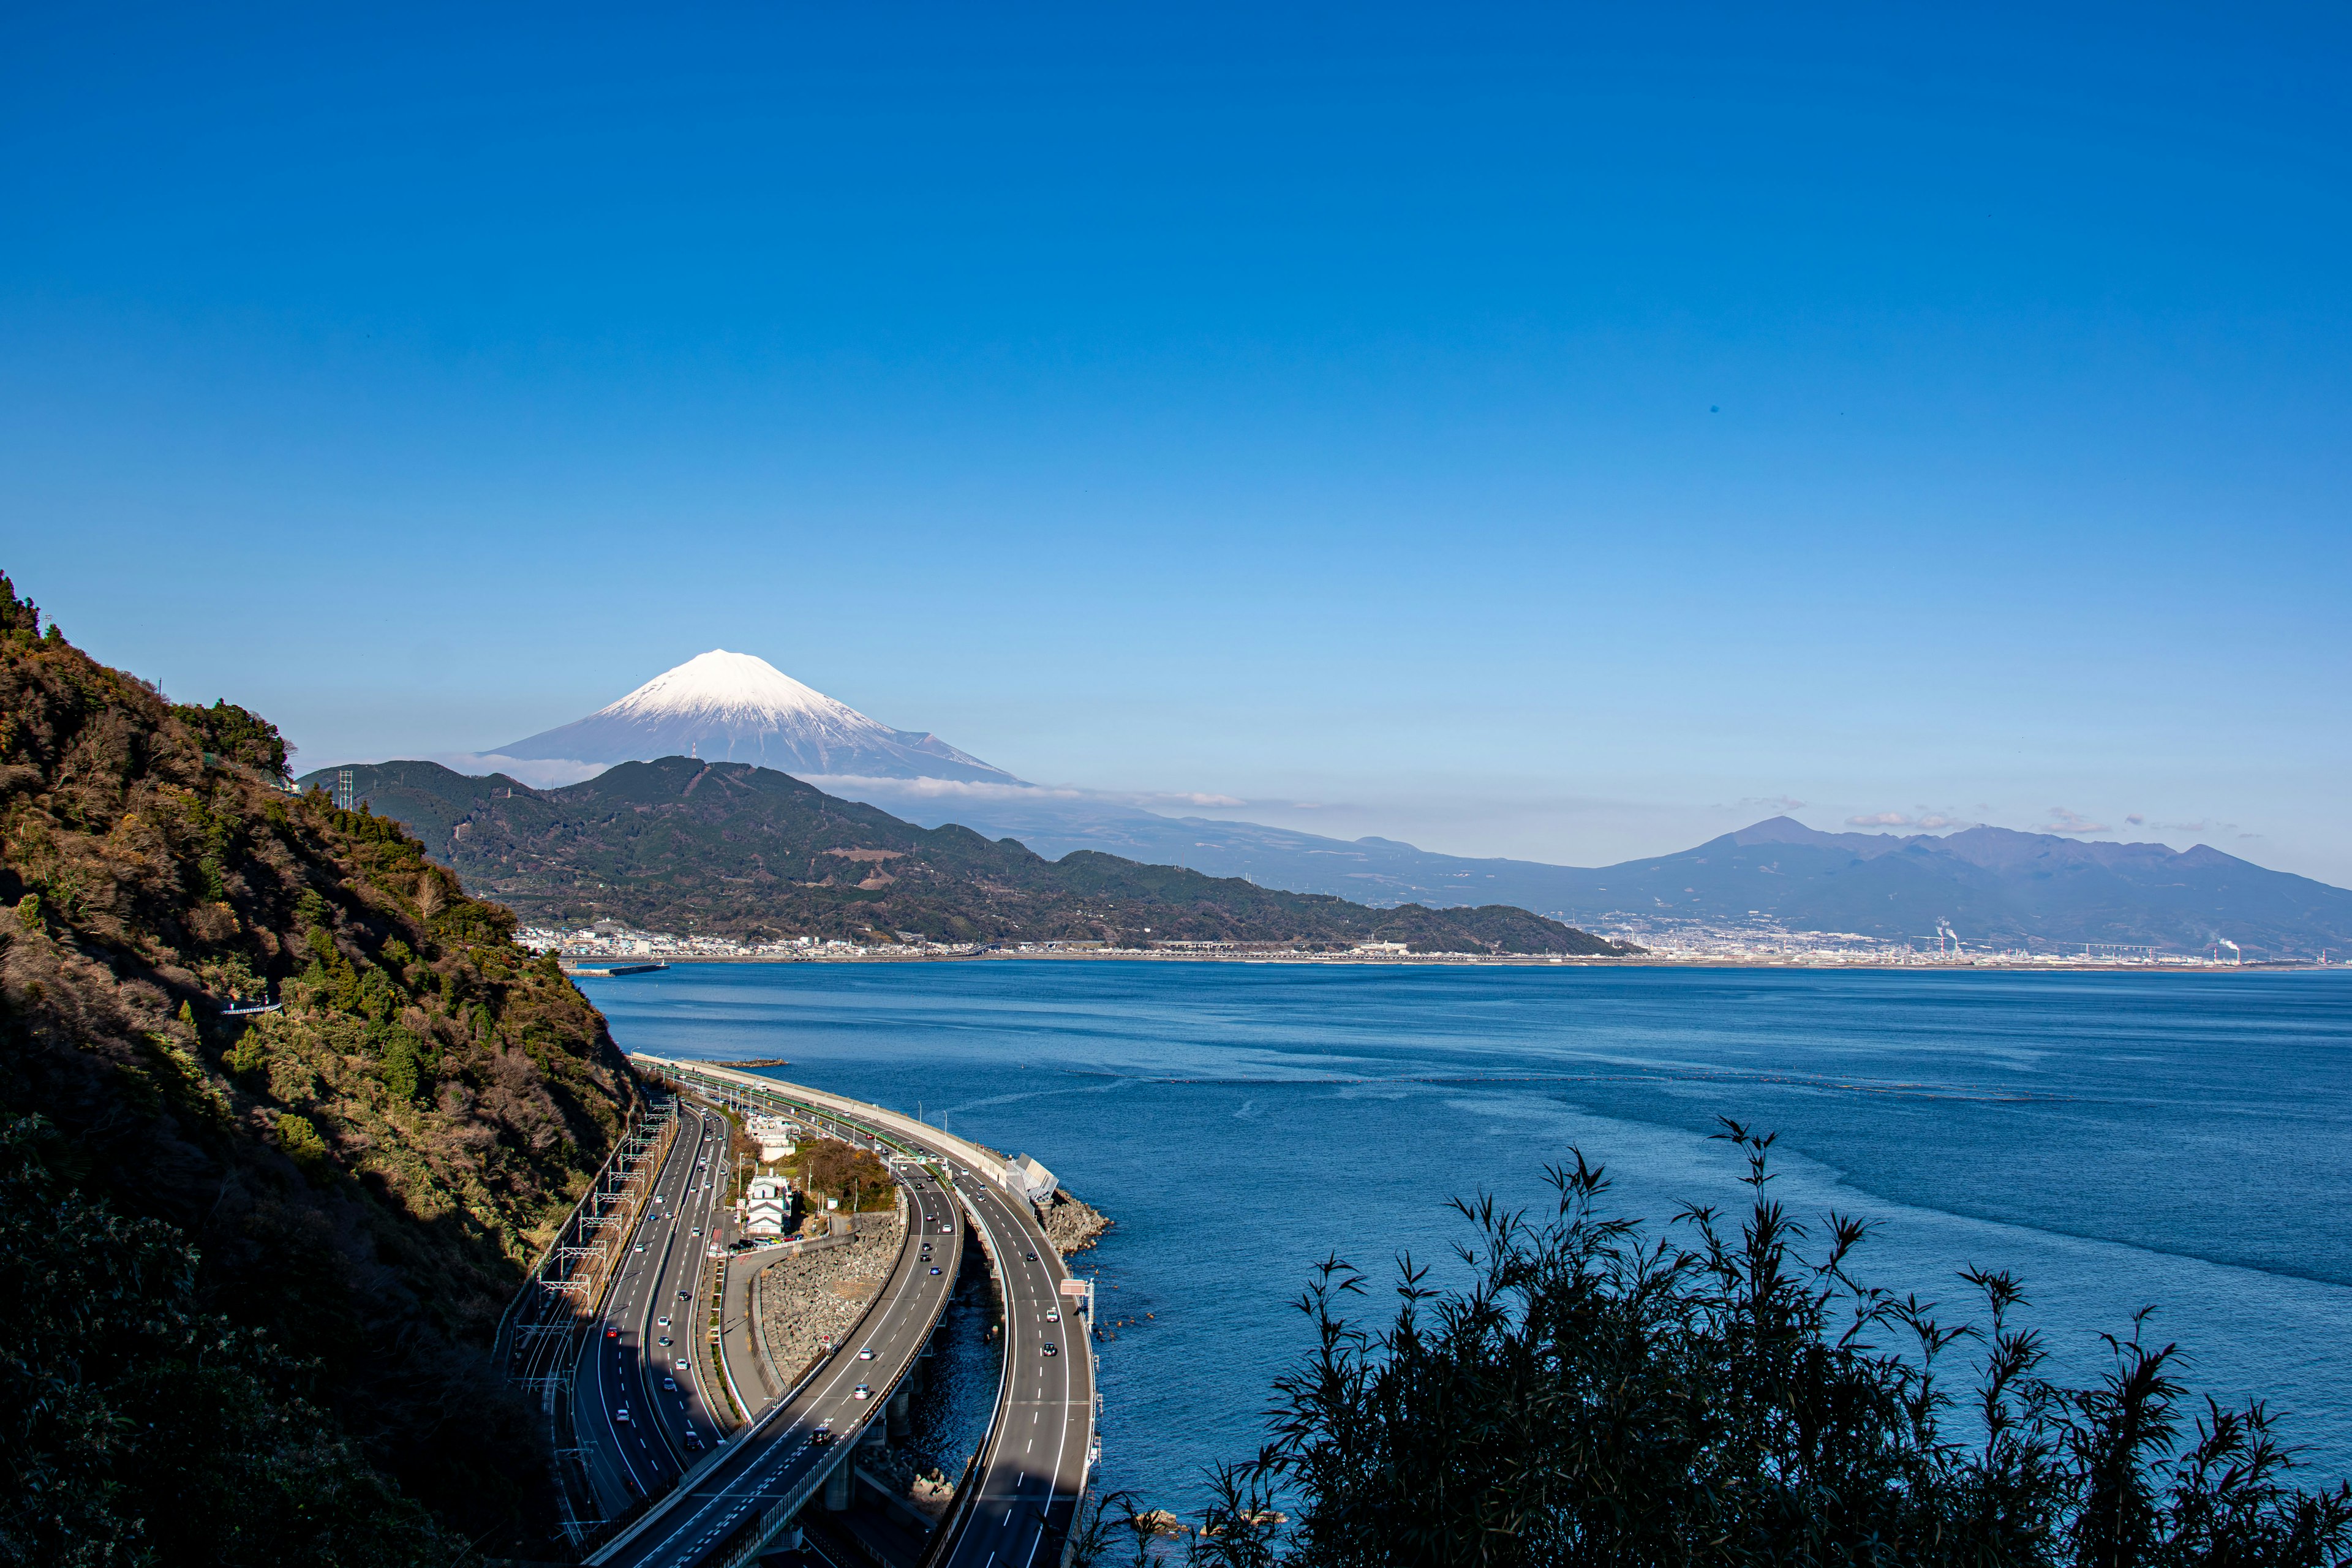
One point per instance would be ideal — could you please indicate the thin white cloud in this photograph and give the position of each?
(539, 772)
(1932, 821)
(2065, 821)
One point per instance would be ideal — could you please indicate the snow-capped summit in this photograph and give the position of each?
(737, 707)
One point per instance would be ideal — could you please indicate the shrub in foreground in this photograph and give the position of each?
(1600, 1393)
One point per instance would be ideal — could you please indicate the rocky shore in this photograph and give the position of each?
(818, 1295)
(1071, 1224)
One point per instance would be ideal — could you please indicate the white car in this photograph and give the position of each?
(860, 1392)
(865, 1354)
(1053, 1317)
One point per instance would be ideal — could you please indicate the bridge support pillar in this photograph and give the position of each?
(836, 1487)
(901, 1421)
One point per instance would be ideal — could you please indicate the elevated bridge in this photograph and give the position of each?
(744, 1495)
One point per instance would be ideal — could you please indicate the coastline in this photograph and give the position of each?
(2054, 964)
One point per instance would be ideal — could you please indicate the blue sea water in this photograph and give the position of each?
(2118, 1139)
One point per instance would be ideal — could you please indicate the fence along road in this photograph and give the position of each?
(1018, 1509)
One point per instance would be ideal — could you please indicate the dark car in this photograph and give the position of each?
(935, 1271)
(1031, 1257)
(693, 1442)
(1050, 1350)
(821, 1437)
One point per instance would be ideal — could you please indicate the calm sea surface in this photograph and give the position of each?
(2116, 1139)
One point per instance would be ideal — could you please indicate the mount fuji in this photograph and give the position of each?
(739, 707)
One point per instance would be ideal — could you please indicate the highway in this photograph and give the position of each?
(642, 1355)
(781, 1455)
(1019, 1506)
(1035, 1470)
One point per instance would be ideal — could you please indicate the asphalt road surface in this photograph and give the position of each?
(1035, 1470)
(643, 1356)
(784, 1452)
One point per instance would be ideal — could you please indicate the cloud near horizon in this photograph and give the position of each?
(1933, 821)
(2065, 821)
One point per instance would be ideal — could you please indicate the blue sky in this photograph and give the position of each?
(1521, 431)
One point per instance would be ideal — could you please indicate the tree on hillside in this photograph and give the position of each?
(1603, 1394)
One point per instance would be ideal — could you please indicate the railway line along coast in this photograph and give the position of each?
(716, 1400)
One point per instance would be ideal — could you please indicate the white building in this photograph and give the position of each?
(774, 1134)
(768, 1208)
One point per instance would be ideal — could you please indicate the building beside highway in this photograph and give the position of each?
(768, 1206)
(774, 1134)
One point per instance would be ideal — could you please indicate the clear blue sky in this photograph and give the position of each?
(1518, 430)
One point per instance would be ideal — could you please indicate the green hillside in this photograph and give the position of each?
(252, 1266)
(726, 848)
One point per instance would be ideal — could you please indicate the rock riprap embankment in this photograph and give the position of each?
(1071, 1225)
(818, 1295)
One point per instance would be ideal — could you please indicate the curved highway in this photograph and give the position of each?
(784, 1457)
(1018, 1507)
(646, 1404)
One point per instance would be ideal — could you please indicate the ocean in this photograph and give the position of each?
(2118, 1141)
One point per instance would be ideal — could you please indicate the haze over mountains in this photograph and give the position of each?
(2034, 890)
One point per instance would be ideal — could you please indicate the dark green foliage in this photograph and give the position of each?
(233, 734)
(142, 1429)
(17, 615)
(725, 849)
(363, 1177)
(1600, 1395)
(400, 1073)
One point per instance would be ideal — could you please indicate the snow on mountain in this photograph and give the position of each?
(737, 707)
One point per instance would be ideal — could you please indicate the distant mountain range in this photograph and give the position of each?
(728, 849)
(1997, 888)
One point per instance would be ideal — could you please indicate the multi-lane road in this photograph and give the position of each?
(1025, 1495)
(645, 1395)
(1035, 1469)
(786, 1453)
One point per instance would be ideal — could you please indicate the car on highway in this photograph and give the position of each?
(861, 1392)
(641, 1246)
(1050, 1350)
(622, 1414)
(865, 1354)
(663, 1340)
(612, 1333)
(663, 1320)
(935, 1271)
(670, 1384)
(821, 1437)
(1053, 1317)
(1030, 1257)
(686, 1295)
(693, 1441)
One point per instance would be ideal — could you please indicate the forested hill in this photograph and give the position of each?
(729, 848)
(251, 1268)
